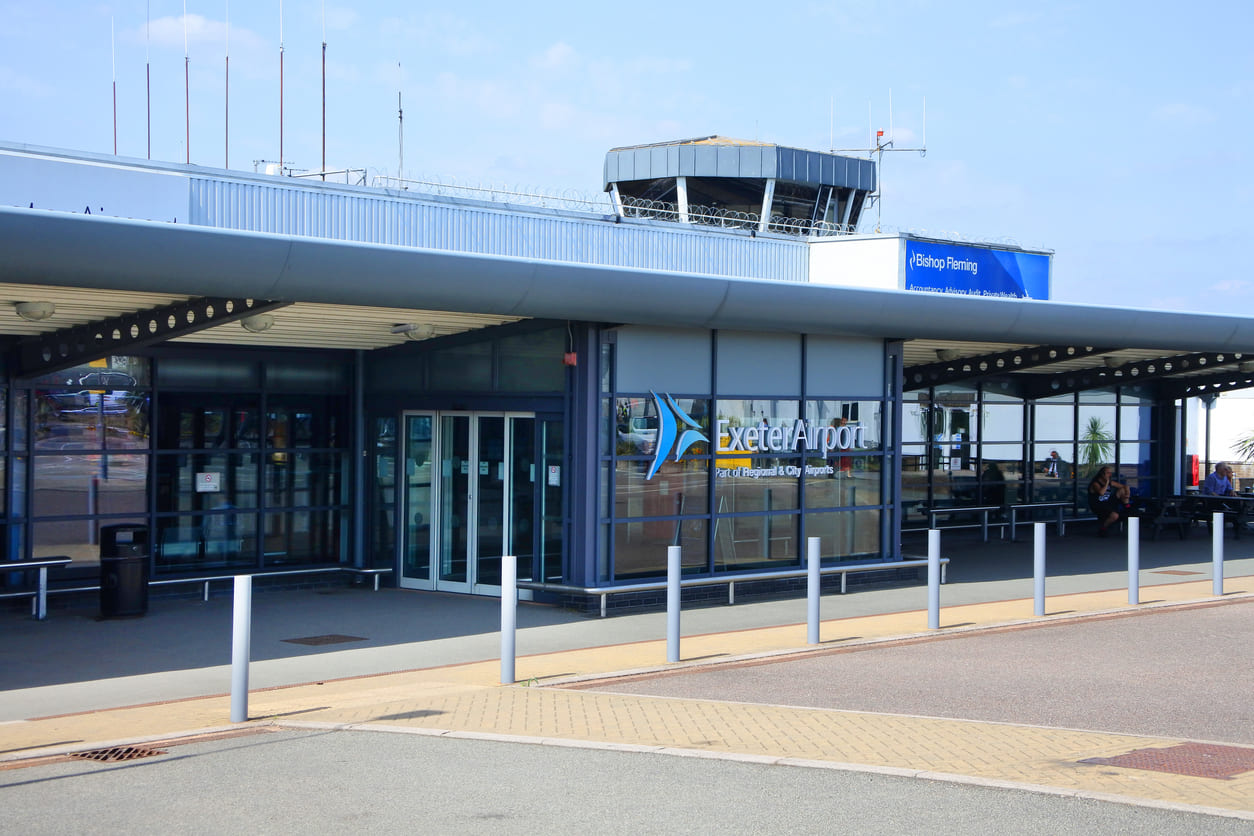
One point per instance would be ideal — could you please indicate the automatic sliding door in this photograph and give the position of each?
(417, 500)
(456, 521)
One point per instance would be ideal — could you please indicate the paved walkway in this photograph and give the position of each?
(544, 707)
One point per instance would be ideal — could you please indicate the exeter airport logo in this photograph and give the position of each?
(670, 421)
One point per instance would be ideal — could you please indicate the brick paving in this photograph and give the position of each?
(466, 700)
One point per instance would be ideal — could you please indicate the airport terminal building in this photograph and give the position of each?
(291, 373)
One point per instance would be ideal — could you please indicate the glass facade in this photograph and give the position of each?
(233, 462)
(742, 475)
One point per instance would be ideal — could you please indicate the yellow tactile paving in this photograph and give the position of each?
(467, 699)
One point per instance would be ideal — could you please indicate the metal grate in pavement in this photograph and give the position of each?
(1199, 760)
(115, 754)
(330, 638)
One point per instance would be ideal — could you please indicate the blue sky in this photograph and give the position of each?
(1116, 134)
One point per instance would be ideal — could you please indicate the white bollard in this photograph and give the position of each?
(509, 616)
(241, 646)
(933, 579)
(1038, 568)
(1217, 552)
(1134, 560)
(673, 574)
(813, 582)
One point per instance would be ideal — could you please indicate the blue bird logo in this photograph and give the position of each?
(669, 419)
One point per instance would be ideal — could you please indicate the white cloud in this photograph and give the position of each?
(23, 85)
(1232, 286)
(559, 56)
(168, 33)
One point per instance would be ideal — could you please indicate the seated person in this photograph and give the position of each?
(1108, 499)
(1219, 483)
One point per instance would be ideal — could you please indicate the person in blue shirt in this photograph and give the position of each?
(1219, 483)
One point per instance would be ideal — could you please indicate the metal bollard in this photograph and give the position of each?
(673, 572)
(813, 583)
(1217, 552)
(1134, 560)
(933, 579)
(509, 616)
(241, 646)
(1038, 568)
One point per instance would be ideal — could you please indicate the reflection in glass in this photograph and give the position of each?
(845, 535)
(677, 488)
(640, 547)
(756, 542)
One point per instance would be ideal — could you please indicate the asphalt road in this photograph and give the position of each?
(1183, 673)
(371, 782)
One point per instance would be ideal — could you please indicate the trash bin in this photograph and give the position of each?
(123, 570)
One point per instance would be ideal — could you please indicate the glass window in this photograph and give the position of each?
(195, 542)
(845, 535)
(855, 480)
(314, 375)
(532, 362)
(217, 372)
(462, 368)
(756, 542)
(864, 419)
(677, 488)
(764, 484)
(1054, 422)
(89, 484)
(640, 547)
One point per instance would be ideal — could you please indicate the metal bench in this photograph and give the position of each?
(951, 510)
(38, 595)
(603, 592)
(1027, 508)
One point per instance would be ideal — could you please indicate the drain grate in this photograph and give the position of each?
(117, 753)
(331, 638)
(1198, 760)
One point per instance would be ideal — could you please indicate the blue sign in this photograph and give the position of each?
(976, 271)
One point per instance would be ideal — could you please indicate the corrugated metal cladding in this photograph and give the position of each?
(413, 222)
(753, 161)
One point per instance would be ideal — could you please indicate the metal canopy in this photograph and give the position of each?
(60, 349)
(1002, 362)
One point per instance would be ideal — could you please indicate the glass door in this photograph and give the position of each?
(417, 500)
(469, 496)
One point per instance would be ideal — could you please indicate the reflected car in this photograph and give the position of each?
(640, 432)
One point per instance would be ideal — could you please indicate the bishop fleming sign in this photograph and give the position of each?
(677, 431)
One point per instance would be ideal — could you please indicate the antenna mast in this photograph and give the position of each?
(280, 88)
(148, 71)
(400, 122)
(113, 47)
(226, 121)
(878, 145)
(324, 90)
(187, 90)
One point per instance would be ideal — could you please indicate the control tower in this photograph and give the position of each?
(719, 181)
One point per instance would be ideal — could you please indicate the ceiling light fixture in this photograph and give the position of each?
(946, 355)
(35, 311)
(415, 331)
(257, 323)
(1112, 362)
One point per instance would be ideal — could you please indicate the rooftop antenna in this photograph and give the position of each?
(280, 88)
(877, 145)
(226, 120)
(187, 90)
(324, 90)
(400, 121)
(113, 47)
(148, 70)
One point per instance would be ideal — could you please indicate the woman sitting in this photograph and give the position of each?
(1108, 499)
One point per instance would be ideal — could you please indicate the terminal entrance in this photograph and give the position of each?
(471, 495)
